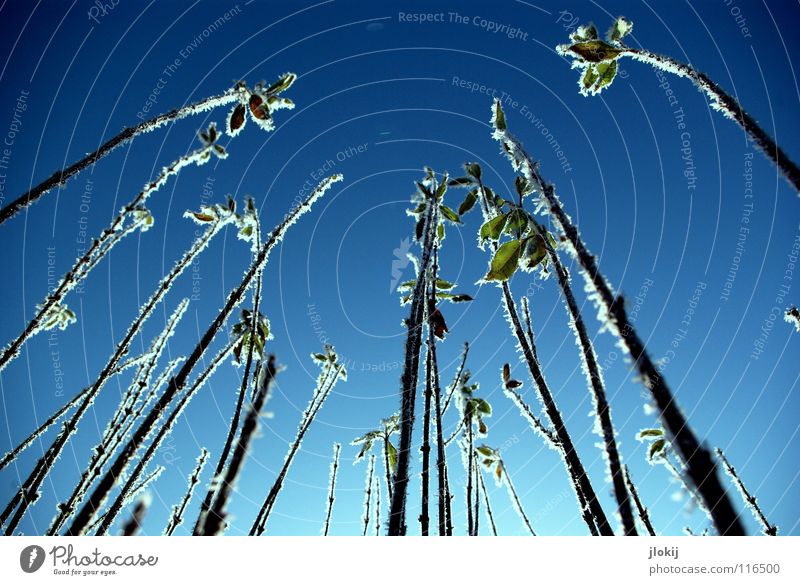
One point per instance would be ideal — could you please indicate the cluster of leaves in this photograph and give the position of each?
(247, 223)
(57, 316)
(389, 426)
(246, 336)
(329, 361)
(527, 249)
(209, 139)
(509, 383)
(429, 190)
(659, 445)
(491, 461)
(444, 291)
(473, 408)
(259, 104)
(594, 57)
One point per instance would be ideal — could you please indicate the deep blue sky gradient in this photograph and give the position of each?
(391, 87)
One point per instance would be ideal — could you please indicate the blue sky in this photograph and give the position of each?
(377, 99)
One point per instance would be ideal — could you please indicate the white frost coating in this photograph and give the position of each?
(792, 316)
(176, 517)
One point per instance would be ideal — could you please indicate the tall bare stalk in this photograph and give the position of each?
(332, 490)
(215, 518)
(331, 372)
(644, 516)
(749, 499)
(368, 494)
(176, 518)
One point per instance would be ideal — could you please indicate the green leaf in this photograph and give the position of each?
(284, 83)
(499, 118)
(590, 77)
(607, 72)
(443, 285)
(657, 449)
(586, 32)
(459, 298)
(493, 228)
(485, 451)
(523, 186)
(440, 232)
(505, 261)
(409, 284)
(473, 170)
(449, 214)
(460, 182)
(482, 406)
(621, 27)
(419, 209)
(534, 252)
(595, 51)
(517, 222)
(441, 190)
(645, 433)
(392, 455)
(469, 202)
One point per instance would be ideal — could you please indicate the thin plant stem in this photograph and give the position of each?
(377, 506)
(60, 177)
(14, 453)
(725, 103)
(486, 499)
(749, 499)
(457, 378)
(527, 348)
(517, 503)
(700, 466)
(644, 516)
(332, 490)
(177, 383)
(176, 518)
(143, 431)
(327, 380)
(408, 380)
(597, 387)
(237, 412)
(368, 494)
(215, 519)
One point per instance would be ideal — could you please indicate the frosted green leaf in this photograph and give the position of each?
(493, 228)
(469, 202)
(590, 77)
(657, 449)
(505, 260)
(449, 214)
(621, 27)
(595, 51)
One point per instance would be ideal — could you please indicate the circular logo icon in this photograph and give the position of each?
(31, 558)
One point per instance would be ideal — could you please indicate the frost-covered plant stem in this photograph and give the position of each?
(527, 348)
(83, 265)
(470, 447)
(517, 503)
(368, 494)
(128, 453)
(644, 516)
(486, 498)
(237, 412)
(457, 378)
(176, 518)
(126, 413)
(325, 383)
(134, 493)
(14, 453)
(597, 387)
(700, 465)
(60, 177)
(215, 518)
(444, 510)
(749, 499)
(132, 526)
(477, 505)
(29, 491)
(377, 506)
(178, 382)
(725, 103)
(408, 380)
(332, 490)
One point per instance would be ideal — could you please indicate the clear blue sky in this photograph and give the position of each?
(379, 98)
